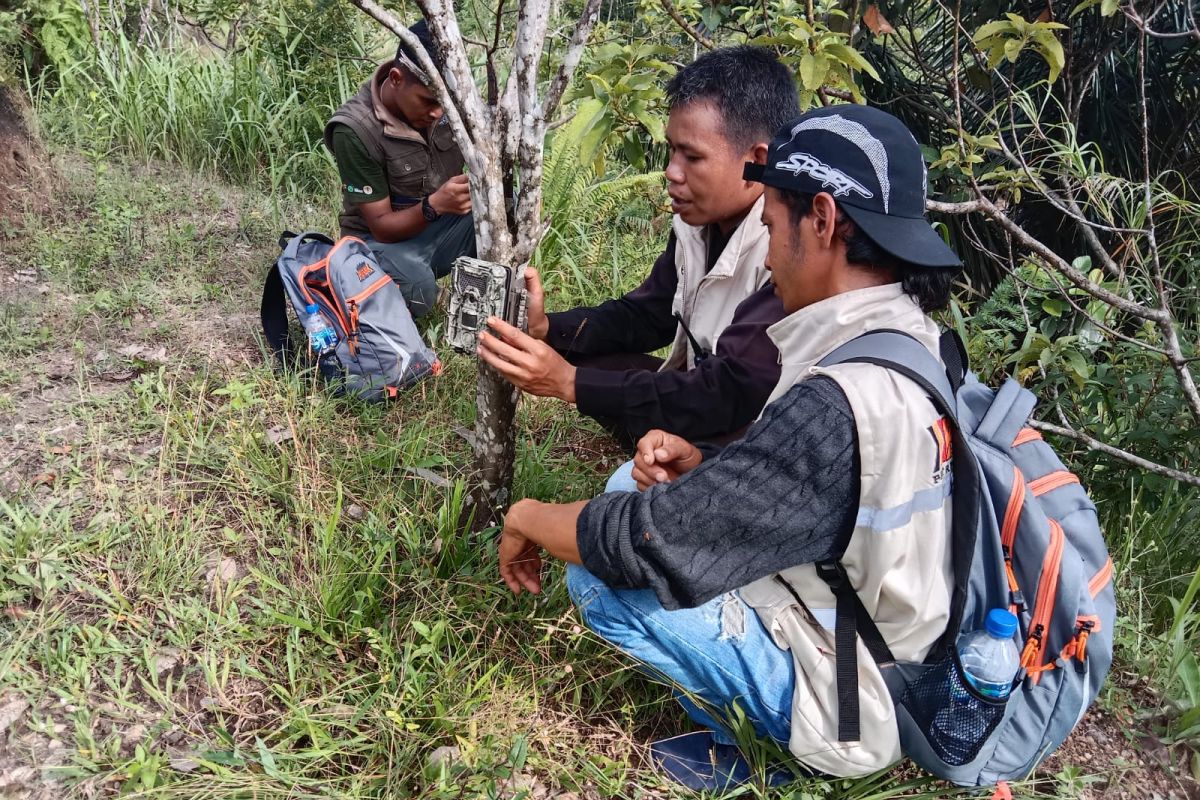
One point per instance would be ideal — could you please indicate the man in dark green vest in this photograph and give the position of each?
(403, 188)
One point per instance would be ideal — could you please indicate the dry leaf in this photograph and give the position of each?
(876, 22)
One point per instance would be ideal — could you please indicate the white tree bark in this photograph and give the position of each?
(510, 133)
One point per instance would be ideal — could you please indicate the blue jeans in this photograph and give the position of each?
(622, 480)
(718, 653)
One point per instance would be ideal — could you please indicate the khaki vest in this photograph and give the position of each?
(898, 559)
(414, 167)
(707, 301)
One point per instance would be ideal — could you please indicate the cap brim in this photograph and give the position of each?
(906, 238)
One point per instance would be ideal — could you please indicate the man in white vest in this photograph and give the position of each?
(709, 574)
(707, 295)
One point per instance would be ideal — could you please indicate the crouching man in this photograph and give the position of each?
(708, 575)
(403, 188)
(707, 295)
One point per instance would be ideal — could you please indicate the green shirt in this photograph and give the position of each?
(363, 179)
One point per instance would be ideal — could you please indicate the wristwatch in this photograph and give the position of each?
(427, 209)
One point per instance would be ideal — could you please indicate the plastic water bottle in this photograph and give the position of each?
(990, 661)
(989, 657)
(322, 338)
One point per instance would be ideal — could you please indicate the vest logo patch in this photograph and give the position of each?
(352, 189)
(940, 431)
(365, 271)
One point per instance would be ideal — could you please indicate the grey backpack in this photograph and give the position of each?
(1026, 538)
(379, 350)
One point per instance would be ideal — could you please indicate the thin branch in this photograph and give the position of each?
(570, 61)
(1115, 452)
(687, 27)
(558, 123)
(1174, 351)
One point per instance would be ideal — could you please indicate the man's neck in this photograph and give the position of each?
(728, 226)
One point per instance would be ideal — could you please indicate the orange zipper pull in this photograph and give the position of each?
(1032, 646)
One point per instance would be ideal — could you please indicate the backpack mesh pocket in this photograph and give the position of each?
(955, 719)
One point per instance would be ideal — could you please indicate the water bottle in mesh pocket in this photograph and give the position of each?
(956, 719)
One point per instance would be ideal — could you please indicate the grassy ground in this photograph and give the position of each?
(219, 583)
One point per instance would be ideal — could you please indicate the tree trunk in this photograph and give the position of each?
(498, 137)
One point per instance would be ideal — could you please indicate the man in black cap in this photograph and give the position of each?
(708, 574)
(403, 188)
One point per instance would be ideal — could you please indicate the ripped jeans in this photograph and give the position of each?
(717, 653)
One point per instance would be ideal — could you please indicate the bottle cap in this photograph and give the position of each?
(311, 308)
(1001, 623)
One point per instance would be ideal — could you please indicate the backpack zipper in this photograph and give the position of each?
(353, 304)
(1043, 607)
(1008, 536)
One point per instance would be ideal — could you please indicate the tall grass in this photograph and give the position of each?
(247, 117)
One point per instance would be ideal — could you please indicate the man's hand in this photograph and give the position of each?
(662, 457)
(528, 364)
(452, 197)
(520, 558)
(535, 307)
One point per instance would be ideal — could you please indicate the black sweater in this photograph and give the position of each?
(786, 494)
(720, 396)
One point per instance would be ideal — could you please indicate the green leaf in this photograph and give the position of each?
(1012, 49)
(267, 759)
(812, 71)
(1052, 50)
(1109, 7)
(851, 58)
(1054, 307)
(991, 29)
(635, 154)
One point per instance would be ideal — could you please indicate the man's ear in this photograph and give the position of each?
(824, 217)
(758, 153)
(397, 76)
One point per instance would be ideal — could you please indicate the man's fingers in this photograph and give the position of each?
(533, 281)
(513, 372)
(509, 333)
(510, 352)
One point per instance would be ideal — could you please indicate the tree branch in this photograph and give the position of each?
(1115, 452)
(570, 62)
(686, 26)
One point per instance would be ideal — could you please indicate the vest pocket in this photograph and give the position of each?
(408, 175)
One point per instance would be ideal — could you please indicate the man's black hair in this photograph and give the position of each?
(929, 286)
(753, 92)
(421, 31)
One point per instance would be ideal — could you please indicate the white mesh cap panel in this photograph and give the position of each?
(861, 138)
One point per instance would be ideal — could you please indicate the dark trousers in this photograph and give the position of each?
(415, 264)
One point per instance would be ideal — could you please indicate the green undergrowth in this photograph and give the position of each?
(219, 582)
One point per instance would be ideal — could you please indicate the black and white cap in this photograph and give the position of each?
(871, 165)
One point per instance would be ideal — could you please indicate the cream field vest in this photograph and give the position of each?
(707, 301)
(898, 559)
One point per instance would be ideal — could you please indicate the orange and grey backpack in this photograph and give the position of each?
(1026, 538)
(379, 350)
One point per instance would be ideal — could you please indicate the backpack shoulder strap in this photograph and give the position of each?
(273, 314)
(900, 352)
